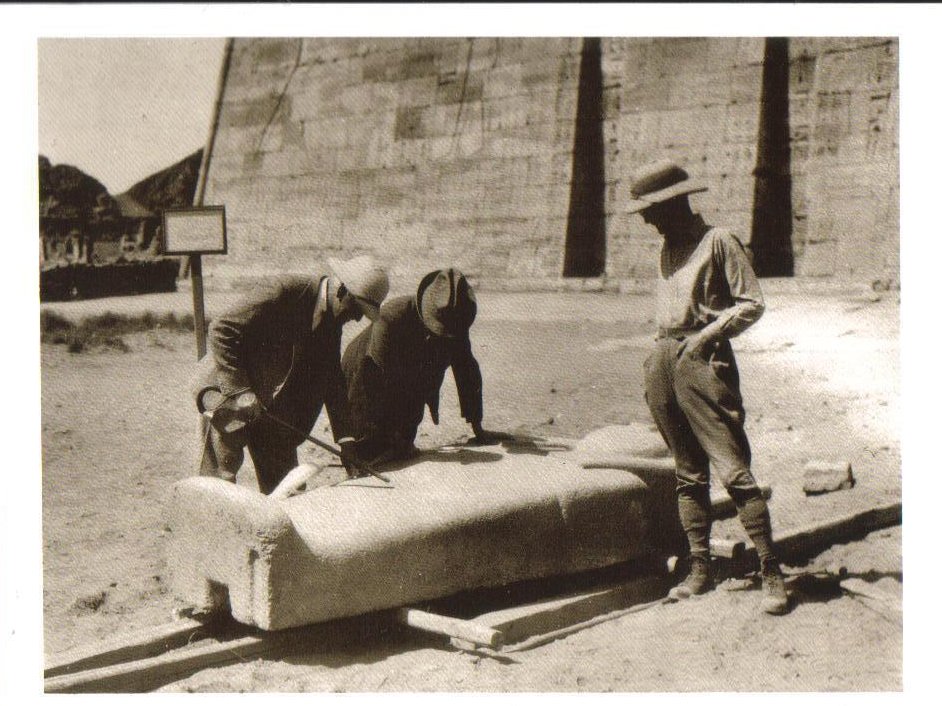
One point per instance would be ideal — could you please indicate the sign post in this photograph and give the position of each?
(195, 232)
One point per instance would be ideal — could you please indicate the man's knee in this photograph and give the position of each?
(740, 484)
(692, 480)
(230, 460)
(227, 456)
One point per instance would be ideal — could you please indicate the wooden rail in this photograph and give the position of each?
(148, 659)
(140, 644)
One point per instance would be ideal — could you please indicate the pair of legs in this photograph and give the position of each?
(272, 453)
(698, 409)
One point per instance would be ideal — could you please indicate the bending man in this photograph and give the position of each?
(396, 366)
(278, 354)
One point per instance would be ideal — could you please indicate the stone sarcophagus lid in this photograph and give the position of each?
(450, 520)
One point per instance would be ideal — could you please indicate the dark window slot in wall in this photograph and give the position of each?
(585, 228)
(771, 240)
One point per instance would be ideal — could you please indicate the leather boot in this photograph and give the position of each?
(774, 597)
(699, 580)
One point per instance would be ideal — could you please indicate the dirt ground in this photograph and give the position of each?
(821, 380)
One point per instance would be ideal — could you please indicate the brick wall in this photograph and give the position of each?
(441, 151)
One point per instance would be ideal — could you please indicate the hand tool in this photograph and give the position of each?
(240, 416)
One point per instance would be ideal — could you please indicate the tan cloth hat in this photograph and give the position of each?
(447, 303)
(658, 182)
(365, 280)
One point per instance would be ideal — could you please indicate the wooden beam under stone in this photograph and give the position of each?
(522, 622)
(728, 549)
(465, 630)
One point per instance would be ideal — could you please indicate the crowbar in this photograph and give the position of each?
(210, 413)
(323, 444)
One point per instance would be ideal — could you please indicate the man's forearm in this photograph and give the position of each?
(470, 384)
(225, 346)
(739, 318)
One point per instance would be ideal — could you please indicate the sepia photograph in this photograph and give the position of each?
(456, 360)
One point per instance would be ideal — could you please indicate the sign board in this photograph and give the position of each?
(195, 231)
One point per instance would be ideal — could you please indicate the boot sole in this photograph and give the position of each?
(775, 608)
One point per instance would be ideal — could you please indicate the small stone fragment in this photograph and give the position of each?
(827, 477)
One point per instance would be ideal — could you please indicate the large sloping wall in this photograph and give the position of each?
(426, 152)
(440, 151)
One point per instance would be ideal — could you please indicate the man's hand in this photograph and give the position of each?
(229, 414)
(350, 458)
(247, 406)
(698, 346)
(483, 437)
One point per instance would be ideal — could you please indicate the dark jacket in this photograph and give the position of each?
(395, 367)
(271, 344)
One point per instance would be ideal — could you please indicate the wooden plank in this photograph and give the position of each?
(469, 631)
(147, 642)
(728, 549)
(630, 463)
(524, 621)
(805, 541)
(152, 672)
(546, 638)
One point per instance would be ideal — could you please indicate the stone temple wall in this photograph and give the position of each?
(695, 101)
(430, 152)
(844, 120)
(425, 152)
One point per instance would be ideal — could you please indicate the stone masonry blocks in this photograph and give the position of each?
(458, 112)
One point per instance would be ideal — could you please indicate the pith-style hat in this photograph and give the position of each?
(365, 280)
(446, 302)
(658, 182)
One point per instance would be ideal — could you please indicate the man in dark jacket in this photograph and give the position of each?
(279, 352)
(395, 367)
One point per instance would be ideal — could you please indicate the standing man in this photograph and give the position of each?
(707, 293)
(396, 366)
(278, 354)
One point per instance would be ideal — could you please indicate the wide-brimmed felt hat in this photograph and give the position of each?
(446, 303)
(365, 280)
(658, 182)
